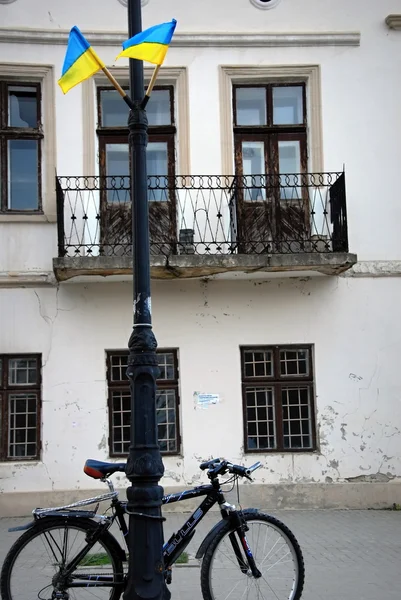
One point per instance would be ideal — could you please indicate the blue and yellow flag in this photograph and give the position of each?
(150, 45)
(80, 63)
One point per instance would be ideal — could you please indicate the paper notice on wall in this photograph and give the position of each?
(203, 400)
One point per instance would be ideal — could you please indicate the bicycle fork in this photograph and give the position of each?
(249, 562)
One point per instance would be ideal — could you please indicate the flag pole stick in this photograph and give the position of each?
(118, 87)
(150, 86)
(112, 80)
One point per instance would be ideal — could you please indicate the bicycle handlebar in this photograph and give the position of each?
(209, 463)
(219, 466)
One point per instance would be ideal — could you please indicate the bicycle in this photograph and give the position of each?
(67, 552)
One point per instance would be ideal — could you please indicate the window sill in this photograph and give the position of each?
(164, 455)
(27, 218)
(20, 461)
(289, 451)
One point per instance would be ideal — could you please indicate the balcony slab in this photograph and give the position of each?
(199, 266)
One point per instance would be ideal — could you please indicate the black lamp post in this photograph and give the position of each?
(144, 467)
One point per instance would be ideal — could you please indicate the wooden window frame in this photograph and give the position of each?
(119, 135)
(162, 384)
(18, 133)
(277, 382)
(122, 132)
(300, 127)
(5, 390)
(122, 139)
(270, 134)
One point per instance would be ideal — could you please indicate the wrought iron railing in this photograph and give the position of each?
(258, 214)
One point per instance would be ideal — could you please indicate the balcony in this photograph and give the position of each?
(202, 226)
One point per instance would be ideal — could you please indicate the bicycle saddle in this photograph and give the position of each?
(99, 470)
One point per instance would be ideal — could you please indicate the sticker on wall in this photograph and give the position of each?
(203, 400)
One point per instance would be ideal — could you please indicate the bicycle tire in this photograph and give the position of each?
(211, 591)
(13, 584)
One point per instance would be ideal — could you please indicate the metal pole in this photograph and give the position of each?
(144, 467)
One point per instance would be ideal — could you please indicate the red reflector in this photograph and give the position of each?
(93, 472)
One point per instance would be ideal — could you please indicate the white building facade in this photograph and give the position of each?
(275, 250)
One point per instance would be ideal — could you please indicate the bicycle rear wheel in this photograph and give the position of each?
(277, 555)
(34, 567)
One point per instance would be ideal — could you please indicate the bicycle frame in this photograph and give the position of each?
(177, 543)
(179, 540)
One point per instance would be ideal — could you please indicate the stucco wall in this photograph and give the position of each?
(360, 93)
(358, 383)
(352, 322)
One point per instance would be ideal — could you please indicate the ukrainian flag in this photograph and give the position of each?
(150, 45)
(80, 63)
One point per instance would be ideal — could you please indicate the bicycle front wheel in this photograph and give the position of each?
(278, 557)
(36, 566)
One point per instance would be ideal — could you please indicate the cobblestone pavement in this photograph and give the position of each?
(349, 555)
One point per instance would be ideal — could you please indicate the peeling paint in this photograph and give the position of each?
(371, 478)
(355, 377)
(172, 475)
(103, 443)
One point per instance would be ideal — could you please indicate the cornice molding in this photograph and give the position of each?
(27, 279)
(187, 40)
(374, 268)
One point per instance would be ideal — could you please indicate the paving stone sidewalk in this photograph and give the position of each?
(349, 555)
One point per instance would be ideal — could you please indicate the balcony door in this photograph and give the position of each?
(270, 159)
(114, 166)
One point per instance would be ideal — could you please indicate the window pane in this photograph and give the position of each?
(156, 159)
(296, 417)
(114, 111)
(294, 362)
(166, 419)
(251, 106)
(22, 106)
(119, 364)
(288, 105)
(289, 158)
(23, 188)
(258, 363)
(22, 431)
(158, 108)
(121, 404)
(253, 166)
(260, 422)
(157, 166)
(30, 449)
(166, 365)
(172, 446)
(117, 160)
(117, 170)
(22, 371)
